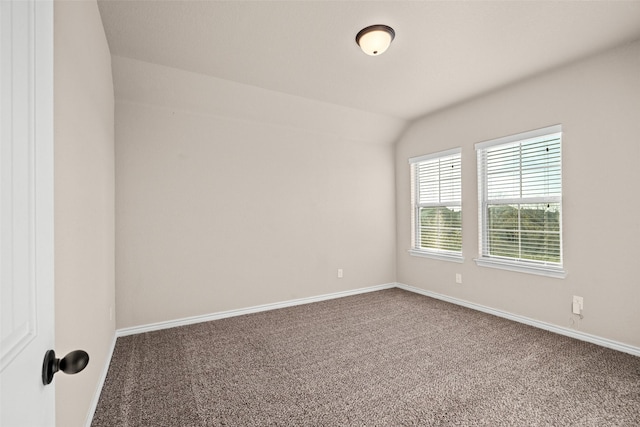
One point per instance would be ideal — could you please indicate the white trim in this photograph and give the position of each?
(101, 381)
(241, 311)
(442, 256)
(524, 200)
(523, 267)
(582, 336)
(548, 131)
(439, 154)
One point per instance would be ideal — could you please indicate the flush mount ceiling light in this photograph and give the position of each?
(375, 39)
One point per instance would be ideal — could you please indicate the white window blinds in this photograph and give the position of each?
(436, 203)
(520, 198)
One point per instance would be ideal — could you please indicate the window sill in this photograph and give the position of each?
(442, 256)
(522, 267)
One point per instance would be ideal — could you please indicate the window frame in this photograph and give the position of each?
(545, 268)
(416, 250)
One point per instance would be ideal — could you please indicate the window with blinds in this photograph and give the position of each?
(520, 201)
(437, 205)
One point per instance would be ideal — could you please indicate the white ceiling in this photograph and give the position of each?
(444, 51)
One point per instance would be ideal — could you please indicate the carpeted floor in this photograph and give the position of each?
(386, 358)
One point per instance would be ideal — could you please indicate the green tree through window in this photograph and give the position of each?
(441, 228)
(525, 231)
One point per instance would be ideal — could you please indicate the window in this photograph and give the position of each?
(520, 202)
(436, 187)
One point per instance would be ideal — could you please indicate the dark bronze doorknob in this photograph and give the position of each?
(72, 363)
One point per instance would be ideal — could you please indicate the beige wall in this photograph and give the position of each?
(220, 208)
(597, 101)
(84, 202)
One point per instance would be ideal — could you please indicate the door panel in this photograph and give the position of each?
(26, 211)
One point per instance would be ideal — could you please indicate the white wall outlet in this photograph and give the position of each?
(340, 273)
(578, 305)
(458, 278)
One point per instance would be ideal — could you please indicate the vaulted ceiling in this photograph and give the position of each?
(444, 51)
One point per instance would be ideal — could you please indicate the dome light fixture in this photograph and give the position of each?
(375, 39)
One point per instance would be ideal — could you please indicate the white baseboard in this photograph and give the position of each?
(102, 379)
(615, 345)
(239, 312)
(604, 342)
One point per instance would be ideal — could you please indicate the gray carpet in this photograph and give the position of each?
(386, 358)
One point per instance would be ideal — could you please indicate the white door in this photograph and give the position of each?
(26, 211)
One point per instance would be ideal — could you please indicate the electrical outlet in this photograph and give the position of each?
(458, 278)
(340, 273)
(577, 305)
